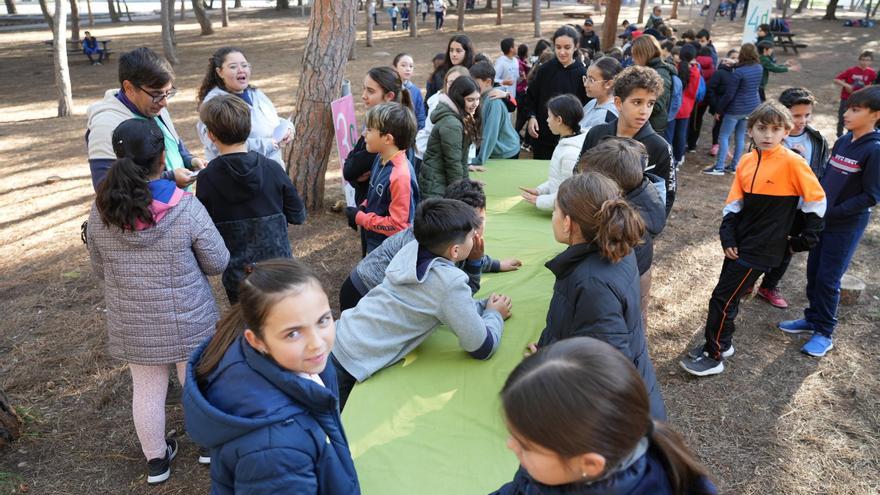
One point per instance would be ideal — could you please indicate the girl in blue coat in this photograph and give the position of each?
(260, 395)
(579, 423)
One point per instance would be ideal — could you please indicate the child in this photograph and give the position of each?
(371, 9)
(851, 80)
(704, 38)
(579, 423)
(522, 83)
(499, 139)
(454, 129)
(393, 191)
(404, 16)
(676, 131)
(656, 17)
(393, 12)
(507, 67)
(809, 143)
(764, 34)
(590, 40)
(249, 197)
(370, 271)
(716, 87)
(564, 113)
(596, 292)
(695, 124)
(425, 133)
(635, 91)
(90, 47)
(153, 245)
(772, 186)
(769, 64)
(852, 182)
(405, 66)
(621, 159)
(422, 290)
(261, 395)
(599, 82)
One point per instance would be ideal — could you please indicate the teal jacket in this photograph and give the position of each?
(500, 140)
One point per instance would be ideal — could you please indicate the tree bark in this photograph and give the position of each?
(10, 422)
(369, 24)
(10, 9)
(182, 9)
(91, 16)
(203, 17)
(114, 16)
(352, 50)
(59, 57)
(499, 14)
(830, 11)
(536, 16)
(331, 27)
(167, 15)
(874, 12)
(413, 18)
(74, 20)
(127, 12)
(461, 6)
(674, 13)
(801, 6)
(489, 4)
(710, 14)
(224, 14)
(237, 4)
(47, 16)
(609, 25)
(785, 8)
(282, 4)
(642, 4)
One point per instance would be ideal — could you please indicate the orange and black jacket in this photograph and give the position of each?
(770, 190)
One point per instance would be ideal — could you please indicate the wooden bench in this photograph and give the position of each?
(786, 41)
(74, 46)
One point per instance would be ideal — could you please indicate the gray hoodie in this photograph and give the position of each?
(401, 312)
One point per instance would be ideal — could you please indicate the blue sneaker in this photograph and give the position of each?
(796, 326)
(818, 345)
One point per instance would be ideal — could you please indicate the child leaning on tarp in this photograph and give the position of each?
(422, 290)
(773, 184)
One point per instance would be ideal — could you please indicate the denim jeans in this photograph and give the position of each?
(731, 124)
(826, 265)
(679, 137)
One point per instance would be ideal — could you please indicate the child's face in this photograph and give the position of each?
(235, 72)
(471, 102)
(565, 47)
(860, 118)
(657, 11)
(450, 78)
(546, 466)
(375, 140)
(865, 62)
(561, 225)
(554, 122)
(676, 58)
(767, 52)
(703, 41)
(405, 67)
(373, 93)
(456, 53)
(801, 116)
(761, 32)
(595, 85)
(438, 63)
(767, 136)
(636, 109)
(298, 332)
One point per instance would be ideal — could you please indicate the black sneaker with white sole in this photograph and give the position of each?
(698, 351)
(702, 365)
(204, 455)
(160, 467)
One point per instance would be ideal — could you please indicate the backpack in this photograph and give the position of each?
(779, 25)
(675, 99)
(701, 90)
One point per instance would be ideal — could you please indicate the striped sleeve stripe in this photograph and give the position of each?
(732, 207)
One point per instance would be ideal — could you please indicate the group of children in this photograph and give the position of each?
(263, 394)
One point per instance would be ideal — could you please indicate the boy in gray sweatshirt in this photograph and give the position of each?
(422, 289)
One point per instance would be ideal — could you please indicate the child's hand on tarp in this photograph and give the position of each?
(510, 265)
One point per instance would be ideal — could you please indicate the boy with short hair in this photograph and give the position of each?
(499, 139)
(854, 79)
(656, 17)
(590, 40)
(772, 186)
(636, 90)
(764, 34)
(249, 197)
(852, 182)
(394, 191)
(507, 67)
(393, 12)
(704, 38)
(768, 62)
(422, 290)
(370, 271)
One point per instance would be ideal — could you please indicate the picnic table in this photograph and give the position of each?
(786, 41)
(432, 423)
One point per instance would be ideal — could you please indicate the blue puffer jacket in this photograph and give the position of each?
(269, 430)
(741, 95)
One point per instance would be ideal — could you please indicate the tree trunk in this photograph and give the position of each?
(536, 16)
(182, 9)
(609, 25)
(489, 4)
(10, 9)
(642, 4)
(499, 14)
(74, 20)
(202, 17)
(59, 57)
(801, 6)
(91, 17)
(282, 4)
(167, 16)
(224, 14)
(237, 4)
(10, 422)
(127, 12)
(47, 16)
(413, 18)
(830, 11)
(785, 8)
(874, 12)
(114, 16)
(461, 6)
(674, 13)
(331, 27)
(710, 14)
(369, 25)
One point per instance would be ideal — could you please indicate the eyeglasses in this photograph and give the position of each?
(590, 80)
(164, 96)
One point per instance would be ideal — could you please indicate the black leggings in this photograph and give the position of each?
(348, 295)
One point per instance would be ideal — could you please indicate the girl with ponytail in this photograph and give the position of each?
(153, 245)
(597, 279)
(260, 395)
(580, 424)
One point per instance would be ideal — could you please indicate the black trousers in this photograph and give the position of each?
(772, 278)
(348, 295)
(695, 124)
(716, 129)
(542, 150)
(345, 380)
(724, 305)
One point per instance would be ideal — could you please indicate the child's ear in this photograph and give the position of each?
(591, 465)
(212, 137)
(254, 341)
(618, 103)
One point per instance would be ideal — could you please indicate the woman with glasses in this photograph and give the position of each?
(230, 73)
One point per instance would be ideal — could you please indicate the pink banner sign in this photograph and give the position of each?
(345, 124)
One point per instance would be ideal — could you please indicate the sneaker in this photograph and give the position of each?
(712, 171)
(698, 351)
(702, 365)
(730, 170)
(160, 468)
(796, 326)
(818, 345)
(204, 455)
(692, 150)
(774, 297)
(714, 150)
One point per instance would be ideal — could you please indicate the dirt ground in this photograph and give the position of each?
(775, 422)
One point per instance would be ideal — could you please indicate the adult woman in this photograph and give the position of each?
(740, 98)
(646, 52)
(560, 75)
(459, 51)
(229, 73)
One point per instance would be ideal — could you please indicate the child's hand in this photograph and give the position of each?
(364, 177)
(501, 304)
(529, 196)
(731, 253)
(476, 168)
(530, 349)
(497, 94)
(530, 190)
(510, 265)
(183, 177)
(478, 249)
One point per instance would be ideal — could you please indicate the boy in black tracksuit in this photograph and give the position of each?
(772, 185)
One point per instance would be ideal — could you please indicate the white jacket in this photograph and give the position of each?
(562, 164)
(265, 126)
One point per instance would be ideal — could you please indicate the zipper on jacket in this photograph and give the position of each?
(757, 167)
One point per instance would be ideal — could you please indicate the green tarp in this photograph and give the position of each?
(432, 423)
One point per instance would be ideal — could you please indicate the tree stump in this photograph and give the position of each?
(10, 422)
(851, 288)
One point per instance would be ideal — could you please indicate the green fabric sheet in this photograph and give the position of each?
(432, 423)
